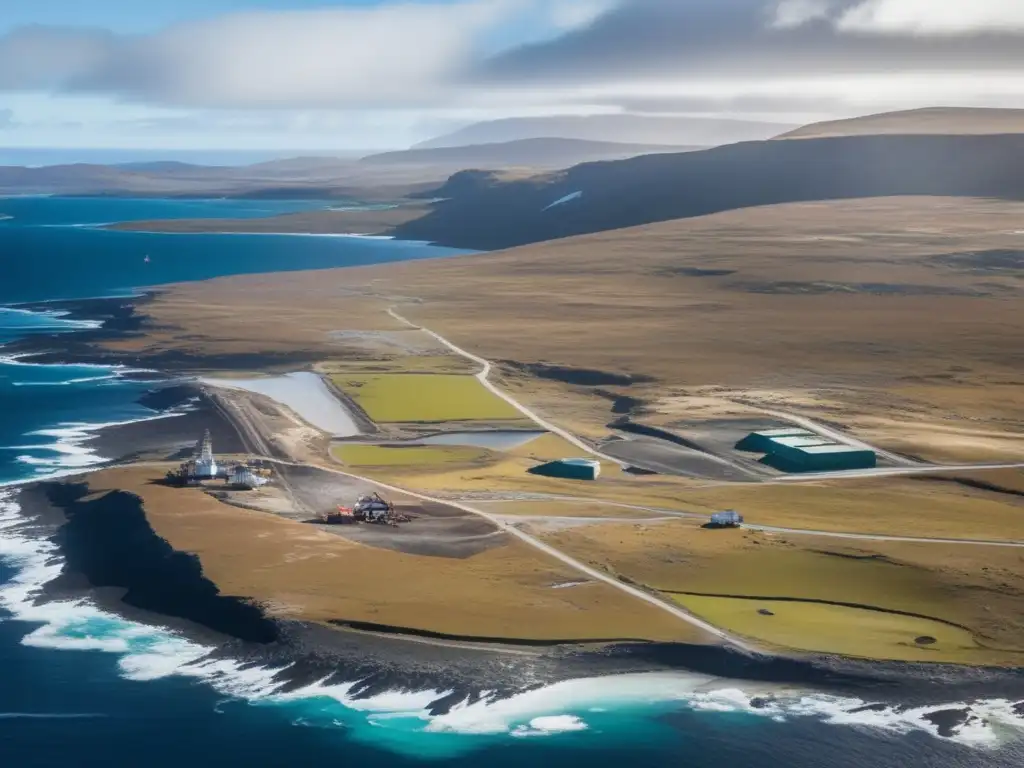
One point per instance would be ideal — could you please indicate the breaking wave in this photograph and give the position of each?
(401, 720)
(25, 320)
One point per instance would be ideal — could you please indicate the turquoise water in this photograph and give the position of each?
(79, 687)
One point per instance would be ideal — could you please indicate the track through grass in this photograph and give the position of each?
(406, 456)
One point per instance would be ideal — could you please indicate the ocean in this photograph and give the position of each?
(82, 687)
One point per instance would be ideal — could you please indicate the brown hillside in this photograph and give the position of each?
(934, 120)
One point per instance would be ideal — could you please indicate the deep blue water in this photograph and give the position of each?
(48, 249)
(82, 688)
(38, 156)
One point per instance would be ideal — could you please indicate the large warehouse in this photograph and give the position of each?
(801, 450)
(761, 441)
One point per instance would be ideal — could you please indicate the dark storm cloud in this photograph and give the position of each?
(668, 38)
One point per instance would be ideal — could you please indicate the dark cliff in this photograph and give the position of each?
(109, 541)
(486, 212)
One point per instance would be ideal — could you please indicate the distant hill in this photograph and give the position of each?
(952, 121)
(297, 177)
(163, 166)
(625, 129)
(485, 212)
(533, 153)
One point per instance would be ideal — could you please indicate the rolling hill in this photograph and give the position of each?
(531, 153)
(628, 129)
(935, 120)
(485, 213)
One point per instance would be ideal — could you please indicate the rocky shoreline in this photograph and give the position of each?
(125, 319)
(114, 558)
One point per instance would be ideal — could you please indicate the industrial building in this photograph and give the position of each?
(244, 478)
(801, 450)
(569, 469)
(205, 463)
(761, 441)
(826, 458)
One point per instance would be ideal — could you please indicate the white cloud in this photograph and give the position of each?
(570, 14)
(386, 55)
(934, 17)
(796, 13)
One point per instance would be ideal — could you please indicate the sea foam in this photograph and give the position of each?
(400, 720)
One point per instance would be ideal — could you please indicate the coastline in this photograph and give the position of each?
(375, 660)
(374, 222)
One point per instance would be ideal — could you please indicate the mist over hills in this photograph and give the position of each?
(506, 194)
(535, 153)
(630, 129)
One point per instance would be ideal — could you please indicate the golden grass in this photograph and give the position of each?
(300, 572)
(450, 364)
(935, 120)
(980, 588)
(897, 506)
(407, 456)
(547, 508)
(836, 629)
(424, 398)
(933, 375)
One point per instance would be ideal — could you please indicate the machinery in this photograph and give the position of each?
(373, 508)
(369, 508)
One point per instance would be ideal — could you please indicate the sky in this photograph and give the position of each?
(330, 75)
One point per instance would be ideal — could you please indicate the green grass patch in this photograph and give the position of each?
(452, 364)
(407, 456)
(415, 397)
(835, 629)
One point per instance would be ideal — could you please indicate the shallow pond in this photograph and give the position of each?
(496, 439)
(306, 394)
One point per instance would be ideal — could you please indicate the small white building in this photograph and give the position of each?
(730, 518)
(206, 464)
(244, 478)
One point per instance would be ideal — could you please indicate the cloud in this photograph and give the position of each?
(675, 39)
(796, 13)
(369, 55)
(7, 119)
(740, 105)
(570, 14)
(934, 17)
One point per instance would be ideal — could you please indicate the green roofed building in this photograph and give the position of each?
(569, 469)
(761, 441)
(829, 457)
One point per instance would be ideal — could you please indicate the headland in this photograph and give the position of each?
(466, 374)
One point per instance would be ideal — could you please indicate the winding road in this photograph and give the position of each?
(593, 573)
(483, 376)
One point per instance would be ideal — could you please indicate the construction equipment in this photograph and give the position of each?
(372, 508)
(342, 516)
(369, 508)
